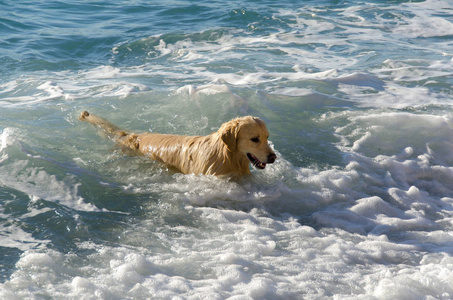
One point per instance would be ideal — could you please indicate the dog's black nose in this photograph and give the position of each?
(271, 158)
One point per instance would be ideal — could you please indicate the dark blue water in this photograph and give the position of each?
(357, 98)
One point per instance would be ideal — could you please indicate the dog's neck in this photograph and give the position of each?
(237, 162)
(224, 162)
(243, 164)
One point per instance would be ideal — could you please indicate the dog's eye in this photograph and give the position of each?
(255, 140)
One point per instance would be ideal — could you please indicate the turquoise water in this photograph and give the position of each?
(357, 97)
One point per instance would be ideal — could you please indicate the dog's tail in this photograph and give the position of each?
(122, 137)
(110, 129)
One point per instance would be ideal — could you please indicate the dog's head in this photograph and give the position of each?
(248, 135)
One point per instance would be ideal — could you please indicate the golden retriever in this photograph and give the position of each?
(226, 152)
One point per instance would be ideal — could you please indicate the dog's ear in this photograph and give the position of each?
(228, 133)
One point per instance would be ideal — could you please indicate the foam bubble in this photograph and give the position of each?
(52, 88)
(6, 139)
(82, 287)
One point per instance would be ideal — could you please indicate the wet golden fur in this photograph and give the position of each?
(226, 152)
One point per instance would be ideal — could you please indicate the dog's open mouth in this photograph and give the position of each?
(256, 162)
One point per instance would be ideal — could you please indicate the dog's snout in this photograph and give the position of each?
(271, 158)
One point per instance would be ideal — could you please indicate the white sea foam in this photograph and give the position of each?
(210, 89)
(425, 23)
(6, 139)
(425, 26)
(103, 72)
(52, 88)
(239, 255)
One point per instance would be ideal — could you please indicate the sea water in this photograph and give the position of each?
(357, 97)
